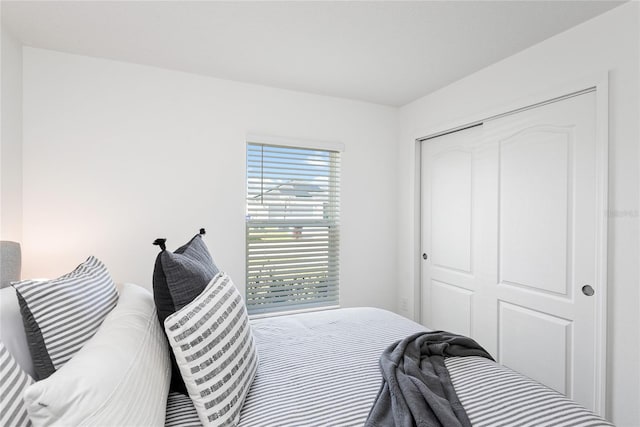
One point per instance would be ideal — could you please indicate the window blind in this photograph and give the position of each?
(292, 228)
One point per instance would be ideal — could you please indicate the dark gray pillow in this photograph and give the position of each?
(188, 271)
(178, 278)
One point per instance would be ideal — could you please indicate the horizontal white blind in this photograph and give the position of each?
(292, 228)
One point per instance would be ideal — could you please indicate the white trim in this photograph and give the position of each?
(506, 113)
(295, 142)
(600, 83)
(580, 84)
(602, 201)
(288, 312)
(417, 245)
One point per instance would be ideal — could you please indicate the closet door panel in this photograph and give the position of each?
(451, 306)
(448, 275)
(534, 206)
(546, 192)
(451, 209)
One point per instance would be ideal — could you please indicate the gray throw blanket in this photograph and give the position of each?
(416, 386)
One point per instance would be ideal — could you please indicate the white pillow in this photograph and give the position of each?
(119, 377)
(215, 351)
(12, 331)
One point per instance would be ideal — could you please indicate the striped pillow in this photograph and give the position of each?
(215, 351)
(60, 315)
(13, 411)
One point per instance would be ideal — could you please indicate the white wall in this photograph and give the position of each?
(11, 139)
(117, 154)
(609, 42)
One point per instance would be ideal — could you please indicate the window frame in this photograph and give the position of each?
(297, 303)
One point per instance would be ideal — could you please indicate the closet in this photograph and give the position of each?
(511, 239)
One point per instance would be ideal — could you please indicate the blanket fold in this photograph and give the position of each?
(416, 387)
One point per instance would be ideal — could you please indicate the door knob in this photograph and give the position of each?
(425, 256)
(588, 290)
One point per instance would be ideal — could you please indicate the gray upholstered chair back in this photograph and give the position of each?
(10, 262)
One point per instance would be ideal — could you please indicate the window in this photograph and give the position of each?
(292, 228)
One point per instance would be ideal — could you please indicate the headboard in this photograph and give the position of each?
(10, 262)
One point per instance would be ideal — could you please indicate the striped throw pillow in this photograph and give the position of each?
(60, 315)
(13, 411)
(215, 351)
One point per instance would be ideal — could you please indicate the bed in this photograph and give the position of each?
(315, 369)
(321, 369)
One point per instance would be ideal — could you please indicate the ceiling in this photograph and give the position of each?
(388, 52)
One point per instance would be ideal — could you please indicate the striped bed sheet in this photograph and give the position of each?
(321, 369)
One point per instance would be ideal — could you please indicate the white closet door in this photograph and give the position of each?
(510, 223)
(449, 282)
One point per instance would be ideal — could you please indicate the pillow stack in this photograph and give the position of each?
(214, 356)
(178, 278)
(59, 317)
(101, 357)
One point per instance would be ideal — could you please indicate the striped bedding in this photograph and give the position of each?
(321, 369)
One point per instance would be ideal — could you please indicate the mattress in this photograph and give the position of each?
(321, 369)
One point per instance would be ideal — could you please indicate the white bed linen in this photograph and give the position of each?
(120, 377)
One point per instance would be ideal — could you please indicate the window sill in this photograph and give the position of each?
(288, 312)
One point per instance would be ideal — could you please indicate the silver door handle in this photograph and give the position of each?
(588, 290)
